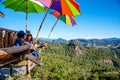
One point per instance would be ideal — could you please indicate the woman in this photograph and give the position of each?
(29, 41)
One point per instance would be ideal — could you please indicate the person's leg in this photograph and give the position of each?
(35, 53)
(34, 59)
(31, 57)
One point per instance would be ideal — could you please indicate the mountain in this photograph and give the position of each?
(53, 40)
(45, 39)
(98, 43)
(59, 40)
(114, 38)
(81, 40)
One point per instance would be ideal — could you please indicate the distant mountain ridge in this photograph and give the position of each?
(53, 40)
(99, 43)
(114, 38)
(80, 39)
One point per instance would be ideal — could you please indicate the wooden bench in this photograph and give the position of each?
(10, 54)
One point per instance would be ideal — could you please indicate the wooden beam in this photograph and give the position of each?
(8, 62)
(13, 50)
(8, 30)
(2, 52)
(5, 57)
(1, 39)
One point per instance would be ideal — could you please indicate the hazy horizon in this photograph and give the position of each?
(81, 38)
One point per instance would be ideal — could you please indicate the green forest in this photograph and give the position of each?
(73, 61)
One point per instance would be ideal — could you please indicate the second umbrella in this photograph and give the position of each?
(65, 18)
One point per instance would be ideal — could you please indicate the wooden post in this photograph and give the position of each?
(14, 36)
(6, 39)
(1, 39)
(21, 57)
(11, 69)
(28, 66)
(10, 39)
(28, 69)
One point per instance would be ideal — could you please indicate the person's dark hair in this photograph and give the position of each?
(20, 34)
(29, 35)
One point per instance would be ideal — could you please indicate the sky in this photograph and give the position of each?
(100, 19)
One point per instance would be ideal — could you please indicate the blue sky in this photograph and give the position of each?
(100, 19)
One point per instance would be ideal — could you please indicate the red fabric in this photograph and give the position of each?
(75, 4)
(56, 14)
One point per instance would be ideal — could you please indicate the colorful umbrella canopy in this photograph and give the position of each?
(65, 7)
(27, 6)
(65, 18)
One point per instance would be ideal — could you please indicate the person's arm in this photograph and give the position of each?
(22, 44)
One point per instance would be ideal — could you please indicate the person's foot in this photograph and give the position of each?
(39, 61)
(42, 45)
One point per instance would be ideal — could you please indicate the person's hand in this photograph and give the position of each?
(44, 44)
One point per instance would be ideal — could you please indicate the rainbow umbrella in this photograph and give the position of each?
(65, 18)
(64, 7)
(27, 6)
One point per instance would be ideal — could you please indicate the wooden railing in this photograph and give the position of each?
(7, 37)
(9, 54)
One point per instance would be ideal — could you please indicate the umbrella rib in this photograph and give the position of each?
(19, 6)
(42, 9)
(9, 4)
(36, 8)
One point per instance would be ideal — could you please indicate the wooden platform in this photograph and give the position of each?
(10, 54)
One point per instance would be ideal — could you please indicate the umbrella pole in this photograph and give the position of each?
(43, 21)
(26, 21)
(52, 29)
(41, 25)
(40, 29)
(26, 15)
